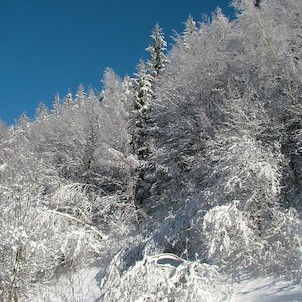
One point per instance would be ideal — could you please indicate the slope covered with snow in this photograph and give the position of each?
(173, 185)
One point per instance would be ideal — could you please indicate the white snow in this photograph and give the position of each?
(266, 290)
(79, 286)
(83, 286)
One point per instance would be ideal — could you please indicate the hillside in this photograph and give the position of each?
(182, 183)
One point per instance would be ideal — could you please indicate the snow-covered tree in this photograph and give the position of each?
(184, 107)
(80, 96)
(91, 95)
(230, 237)
(142, 94)
(157, 50)
(161, 277)
(23, 125)
(56, 105)
(190, 29)
(142, 84)
(41, 112)
(232, 243)
(68, 101)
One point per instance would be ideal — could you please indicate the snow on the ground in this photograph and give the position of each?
(83, 286)
(261, 289)
(250, 290)
(266, 290)
(80, 286)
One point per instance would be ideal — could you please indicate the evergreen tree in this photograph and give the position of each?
(23, 125)
(41, 112)
(68, 102)
(142, 87)
(91, 95)
(190, 29)
(127, 84)
(141, 123)
(80, 96)
(157, 50)
(56, 106)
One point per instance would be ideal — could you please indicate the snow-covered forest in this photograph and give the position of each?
(170, 185)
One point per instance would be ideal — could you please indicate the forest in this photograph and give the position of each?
(173, 182)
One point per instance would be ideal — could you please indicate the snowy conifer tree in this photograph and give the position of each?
(142, 93)
(80, 96)
(23, 126)
(68, 101)
(56, 105)
(157, 50)
(41, 112)
(91, 95)
(190, 29)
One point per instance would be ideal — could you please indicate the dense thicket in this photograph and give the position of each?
(62, 177)
(190, 171)
(228, 119)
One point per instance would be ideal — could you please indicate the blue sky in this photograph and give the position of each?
(50, 46)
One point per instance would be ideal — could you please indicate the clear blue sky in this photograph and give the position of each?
(50, 46)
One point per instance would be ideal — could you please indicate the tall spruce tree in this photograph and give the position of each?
(142, 94)
(190, 29)
(80, 96)
(157, 50)
(23, 125)
(41, 112)
(56, 105)
(68, 102)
